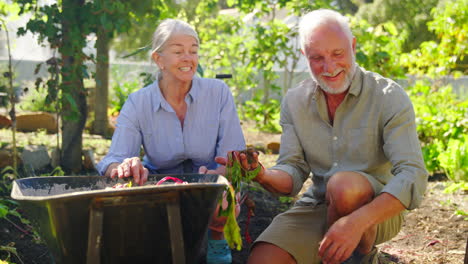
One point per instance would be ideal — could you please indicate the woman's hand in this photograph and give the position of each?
(220, 170)
(131, 167)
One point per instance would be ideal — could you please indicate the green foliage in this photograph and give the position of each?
(57, 171)
(10, 249)
(3, 86)
(110, 15)
(441, 118)
(286, 200)
(455, 186)
(378, 47)
(253, 52)
(225, 49)
(266, 116)
(454, 159)
(121, 91)
(36, 101)
(9, 10)
(7, 176)
(462, 213)
(143, 16)
(408, 16)
(447, 54)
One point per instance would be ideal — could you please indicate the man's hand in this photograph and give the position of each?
(275, 181)
(131, 167)
(248, 160)
(340, 240)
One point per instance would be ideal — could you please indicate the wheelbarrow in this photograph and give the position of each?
(82, 220)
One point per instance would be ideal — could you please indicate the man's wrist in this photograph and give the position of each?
(261, 175)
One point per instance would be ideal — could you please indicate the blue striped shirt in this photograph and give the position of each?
(211, 128)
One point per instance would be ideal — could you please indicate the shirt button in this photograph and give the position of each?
(335, 138)
(335, 164)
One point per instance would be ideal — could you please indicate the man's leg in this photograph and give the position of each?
(347, 192)
(264, 252)
(292, 236)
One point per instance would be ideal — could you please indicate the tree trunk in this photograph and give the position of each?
(74, 109)
(100, 124)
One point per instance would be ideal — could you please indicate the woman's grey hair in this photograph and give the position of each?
(317, 18)
(168, 28)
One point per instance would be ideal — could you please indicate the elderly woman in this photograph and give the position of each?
(183, 122)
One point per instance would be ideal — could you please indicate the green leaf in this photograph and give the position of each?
(3, 210)
(71, 101)
(391, 28)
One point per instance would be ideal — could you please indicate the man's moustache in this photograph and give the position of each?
(335, 73)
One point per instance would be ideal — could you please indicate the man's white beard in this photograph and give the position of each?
(347, 82)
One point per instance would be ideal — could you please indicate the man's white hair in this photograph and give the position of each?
(320, 17)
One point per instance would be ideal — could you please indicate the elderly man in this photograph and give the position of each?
(354, 130)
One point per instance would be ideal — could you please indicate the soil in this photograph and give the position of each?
(433, 233)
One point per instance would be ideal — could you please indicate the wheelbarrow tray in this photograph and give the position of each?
(83, 222)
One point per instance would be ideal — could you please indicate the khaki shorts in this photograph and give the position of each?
(300, 229)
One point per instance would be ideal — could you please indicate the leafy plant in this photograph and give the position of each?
(10, 249)
(57, 171)
(440, 117)
(8, 208)
(7, 176)
(462, 213)
(454, 159)
(35, 101)
(121, 93)
(266, 116)
(453, 187)
(378, 47)
(447, 54)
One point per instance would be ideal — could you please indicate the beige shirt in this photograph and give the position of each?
(373, 132)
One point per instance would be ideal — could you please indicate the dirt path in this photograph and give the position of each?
(433, 233)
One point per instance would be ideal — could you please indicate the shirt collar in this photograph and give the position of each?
(160, 102)
(157, 96)
(195, 90)
(356, 83)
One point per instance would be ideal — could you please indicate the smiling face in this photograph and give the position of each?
(331, 59)
(178, 59)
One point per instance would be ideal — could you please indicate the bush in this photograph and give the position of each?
(442, 123)
(35, 101)
(121, 91)
(454, 159)
(266, 116)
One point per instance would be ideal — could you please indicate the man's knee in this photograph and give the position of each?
(347, 191)
(264, 252)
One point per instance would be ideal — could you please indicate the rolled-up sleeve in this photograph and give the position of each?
(126, 140)
(402, 147)
(291, 158)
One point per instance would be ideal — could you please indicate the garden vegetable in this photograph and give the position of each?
(235, 175)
